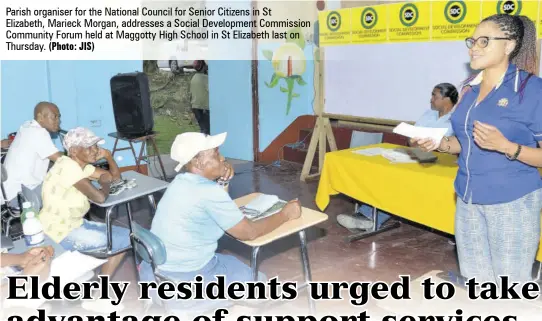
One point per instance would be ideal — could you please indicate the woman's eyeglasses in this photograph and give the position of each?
(482, 41)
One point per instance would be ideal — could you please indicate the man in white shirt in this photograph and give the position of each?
(443, 100)
(28, 157)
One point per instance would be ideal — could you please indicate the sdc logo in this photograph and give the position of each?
(333, 21)
(455, 11)
(369, 18)
(408, 15)
(512, 7)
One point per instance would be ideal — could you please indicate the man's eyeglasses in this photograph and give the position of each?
(482, 42)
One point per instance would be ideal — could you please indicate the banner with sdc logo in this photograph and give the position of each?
(418, 21)
(335, 27)
(454, 20)
(527, 8)
(409, 21)
(370, 24)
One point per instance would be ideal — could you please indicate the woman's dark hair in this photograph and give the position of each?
(448, 90)
(523, 31)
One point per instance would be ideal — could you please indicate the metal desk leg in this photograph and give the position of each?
(152, 202)
(306, 268)
(130, 221)
(539, 271)
(109, 226)
(375, 218)
(254, 262)
(375, 230)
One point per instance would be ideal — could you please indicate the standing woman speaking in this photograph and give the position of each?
(497, 125)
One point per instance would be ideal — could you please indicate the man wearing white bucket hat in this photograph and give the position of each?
(195, 212)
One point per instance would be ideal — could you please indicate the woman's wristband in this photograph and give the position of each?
(515, 155)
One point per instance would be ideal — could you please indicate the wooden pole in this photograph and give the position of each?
(322, 133)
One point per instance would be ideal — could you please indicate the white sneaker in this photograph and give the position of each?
(352, 222)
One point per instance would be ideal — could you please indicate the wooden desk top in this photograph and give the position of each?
(308, 218)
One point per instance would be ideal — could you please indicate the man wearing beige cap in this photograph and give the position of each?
(195, 212)
(67, 190)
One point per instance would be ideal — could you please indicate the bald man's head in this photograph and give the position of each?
(48, 116)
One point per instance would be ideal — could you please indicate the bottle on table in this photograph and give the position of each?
(27, 208)
(32, 230)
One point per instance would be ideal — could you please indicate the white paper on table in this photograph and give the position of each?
(262, 203)
(420, 132)
(370, 151)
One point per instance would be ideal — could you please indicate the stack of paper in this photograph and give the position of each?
(262, 206)
(410, 131)
(370, 151)
(398, 156)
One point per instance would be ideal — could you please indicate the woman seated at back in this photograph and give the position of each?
(66, 191)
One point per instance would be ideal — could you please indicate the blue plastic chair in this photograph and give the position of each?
(149, 248)
(33, 196)
(9, 213)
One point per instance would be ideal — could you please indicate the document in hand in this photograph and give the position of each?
(420, 132)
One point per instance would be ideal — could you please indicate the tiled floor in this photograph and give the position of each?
(408, 250)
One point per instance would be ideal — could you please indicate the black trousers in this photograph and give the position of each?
(202, 116)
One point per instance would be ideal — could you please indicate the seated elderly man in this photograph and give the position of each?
(28, 157)
(195, 212)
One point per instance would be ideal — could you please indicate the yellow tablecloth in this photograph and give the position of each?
(422, 193)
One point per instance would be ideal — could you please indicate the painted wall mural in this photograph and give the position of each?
(276, 109)
(289, 63)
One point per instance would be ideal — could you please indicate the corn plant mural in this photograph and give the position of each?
(289, 63)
